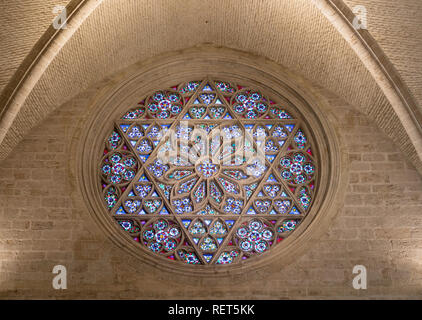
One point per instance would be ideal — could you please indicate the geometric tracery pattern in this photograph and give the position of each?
(208, 172)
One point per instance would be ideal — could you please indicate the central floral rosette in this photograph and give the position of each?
(209, 168)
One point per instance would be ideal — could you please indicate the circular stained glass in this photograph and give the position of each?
(209, 172)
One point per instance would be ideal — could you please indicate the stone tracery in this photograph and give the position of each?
(209, 172)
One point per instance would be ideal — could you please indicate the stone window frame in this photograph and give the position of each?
(268, 77)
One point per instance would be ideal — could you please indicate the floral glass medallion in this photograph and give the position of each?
(207, 169)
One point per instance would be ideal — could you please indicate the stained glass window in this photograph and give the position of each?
(209, 172)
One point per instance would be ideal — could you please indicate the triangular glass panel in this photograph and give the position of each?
(270, 158)
(230, 223)
(290, 127)
(251, 211)
(143, 158)
(143, 178)
(248, 127)
(164, 210)
(186, 223)
(208, 210)
(124, 127)
(208, 257)
(208, 244)
(207, 87)
(166, 189)
(249, 189)
(207, 98)
(121, 211)
(294, 211)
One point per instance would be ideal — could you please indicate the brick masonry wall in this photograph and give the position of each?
(43, 222)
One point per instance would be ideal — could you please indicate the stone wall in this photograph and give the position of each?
(44, 222)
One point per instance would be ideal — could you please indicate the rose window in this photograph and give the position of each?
(209, 172)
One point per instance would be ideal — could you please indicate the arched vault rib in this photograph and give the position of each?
(23, 103)
(31, 70)
(387, 78)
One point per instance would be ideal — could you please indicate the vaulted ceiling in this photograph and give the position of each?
(379, 71)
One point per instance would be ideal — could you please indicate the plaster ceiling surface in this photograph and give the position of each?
(397, 27)
(22, 23)
(295, 34)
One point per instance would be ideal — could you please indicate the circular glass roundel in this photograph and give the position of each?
(208, 172)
